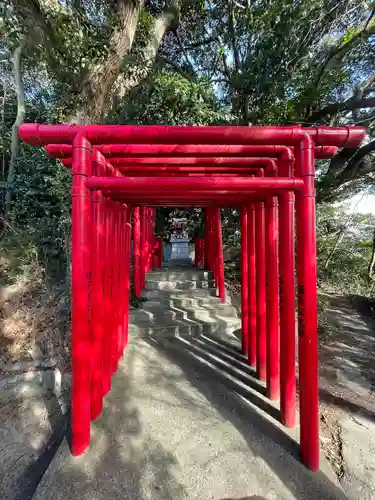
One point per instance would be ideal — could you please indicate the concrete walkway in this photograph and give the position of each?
(174, 428)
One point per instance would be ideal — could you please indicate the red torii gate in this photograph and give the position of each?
(266, 171)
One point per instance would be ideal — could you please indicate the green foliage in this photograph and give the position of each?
(345, 240)
(17, 254)
(41, 208)
(168, 99)
(228, 62)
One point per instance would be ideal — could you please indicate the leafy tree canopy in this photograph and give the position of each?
(192, 62)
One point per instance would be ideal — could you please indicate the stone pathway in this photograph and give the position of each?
(171, 430)
(186, 417)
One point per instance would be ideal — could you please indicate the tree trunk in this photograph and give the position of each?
(128, 80)
(335, 247)
(95, 89)
(15, 144)
(107, 84)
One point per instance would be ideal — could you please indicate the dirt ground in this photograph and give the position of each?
(346, 385)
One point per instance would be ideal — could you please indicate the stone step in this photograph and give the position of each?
(179, 285)
(160, 315)
(179, 275)
(177, 330)
(178, 293)
(178, 263)
(209, 303)
(155, 315)
(188, 318)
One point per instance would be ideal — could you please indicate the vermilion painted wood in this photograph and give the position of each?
(121, 290)
(118, 311)
(114, 287)
(209, 241)
(124, 259)
(216, 221)
(272, 297)
(170, 163)
(143, 251)
(287, 312)
(120, 330)
(186, 150)
(287, 305)
(81, 285)
(206, 242)
(127, 273)
(108, 298)
(148, 239)
(158, 253)
(220, 256)
(199, 252)
(139, 185)
(218, 199)
(192, 197)
(202, 250)
(252, 350)
(195, 171)
(307, 309)
(244, 281)
(213, 244)
(40, 135)
(261, 290)
(297, 137)
(97, 296)
(137, 251)
(145, 230)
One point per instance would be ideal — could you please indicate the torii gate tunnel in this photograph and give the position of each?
(121, 173)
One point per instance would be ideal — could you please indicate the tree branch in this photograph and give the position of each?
(337, 107)
(232, 34)
(97, 89)
(183, 50)
(39, 26)
(15, 144)
(133, 75)
(341, 50)
(207, 41)
(355, 160)
(338, 162)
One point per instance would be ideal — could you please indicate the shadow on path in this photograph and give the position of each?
(265, 439)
